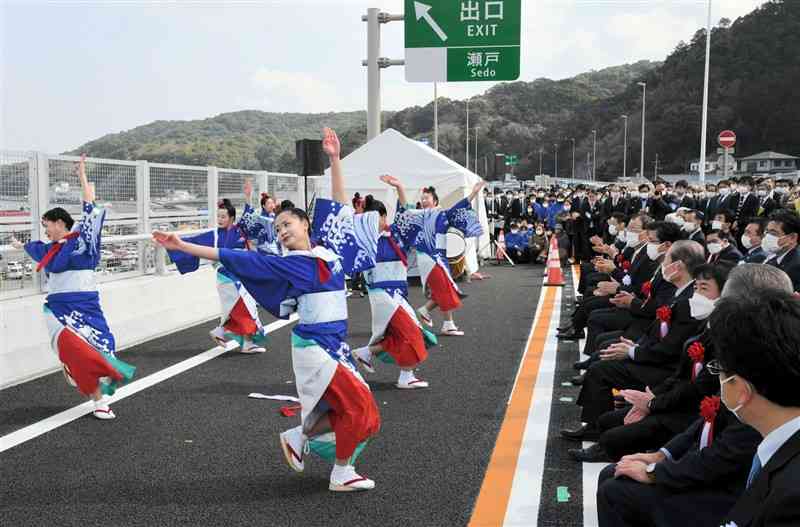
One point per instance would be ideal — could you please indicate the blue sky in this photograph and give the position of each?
(74, 71)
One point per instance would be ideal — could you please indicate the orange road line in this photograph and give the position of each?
(492, 502)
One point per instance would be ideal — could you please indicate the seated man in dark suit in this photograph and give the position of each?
(758, 344)
(751, 241)
(720, 248)
(780, 244)
(650, 360)
(690, 481)
(655, 415)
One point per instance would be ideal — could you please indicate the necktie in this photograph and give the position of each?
(754, 470)
(741, 204)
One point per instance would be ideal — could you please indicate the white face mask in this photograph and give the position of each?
(716, 225)
(735, 410)
(714, 248)
(622, 236)
(632, 238)
(761, 193)
(652, 250)
(612, 230)
(689, 227)
(670, 272)
(700, 306)
(724, 191)
(746, 243)
(771, 244)
(634, 194)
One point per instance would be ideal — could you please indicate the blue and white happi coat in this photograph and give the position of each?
(229, 288)
(311, 284)
(261, 227)
(426, 231)
(72, 300)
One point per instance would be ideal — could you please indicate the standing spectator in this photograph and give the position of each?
(780, 244)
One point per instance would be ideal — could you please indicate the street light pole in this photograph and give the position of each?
(594, 154)
(573, 157)
(541, 151)
(705, 101)
(625, 148)
(476, 151)
(435, 117)
(644, 106)
(466, 164)
(555, 168)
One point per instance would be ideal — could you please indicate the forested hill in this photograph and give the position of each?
(755, 74)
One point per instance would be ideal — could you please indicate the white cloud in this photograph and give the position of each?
(286, 91)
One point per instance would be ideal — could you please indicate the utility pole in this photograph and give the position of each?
(374, 63)
(476, 150)
(655, 170)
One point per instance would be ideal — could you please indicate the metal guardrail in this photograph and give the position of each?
(140, 197)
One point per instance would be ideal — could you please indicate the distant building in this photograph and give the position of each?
(711, 166)
(769, 162)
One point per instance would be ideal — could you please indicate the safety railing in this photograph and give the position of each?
(139, 196)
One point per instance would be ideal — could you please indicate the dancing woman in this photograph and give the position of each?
(425, 229)
(79, 333)
(260, 227)
(239, 316)
(397, 336)
(309, 280)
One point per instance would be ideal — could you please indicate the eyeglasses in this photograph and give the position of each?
(714, 367)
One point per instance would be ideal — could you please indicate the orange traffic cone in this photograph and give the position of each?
(554, 276)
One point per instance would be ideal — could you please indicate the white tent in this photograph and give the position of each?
(417, 166)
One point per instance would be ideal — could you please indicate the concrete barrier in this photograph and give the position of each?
(137, 309)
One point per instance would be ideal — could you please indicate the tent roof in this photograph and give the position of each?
(414, 163)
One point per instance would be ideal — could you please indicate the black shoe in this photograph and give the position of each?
(566, 329)
(582, 433)
(582, 365)
(593, 454)
(577, 380)
(572, 335)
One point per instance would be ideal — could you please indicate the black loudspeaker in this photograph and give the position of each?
(309, 155)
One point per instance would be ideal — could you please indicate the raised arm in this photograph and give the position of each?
(476, 189)
(332, 147)
(401, 190)
(248, 191)
(172, 242)
(86, 187)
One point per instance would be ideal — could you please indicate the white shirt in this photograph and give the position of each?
(775, 440)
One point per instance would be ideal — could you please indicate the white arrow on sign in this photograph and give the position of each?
(422, 12)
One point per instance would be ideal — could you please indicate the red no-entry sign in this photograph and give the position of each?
(727, 139)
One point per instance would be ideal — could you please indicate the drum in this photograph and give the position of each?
(456, 249)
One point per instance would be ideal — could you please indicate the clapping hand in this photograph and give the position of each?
(16, 244)
(618, 351)
(638, 399)
(622, 299)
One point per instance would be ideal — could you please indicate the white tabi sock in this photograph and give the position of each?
(406, 377)
(342, 473)
(448, 324)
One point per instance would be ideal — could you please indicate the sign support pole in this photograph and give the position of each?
(374, 18)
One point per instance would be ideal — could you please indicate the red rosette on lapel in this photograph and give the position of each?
(664, 314)
(647, 288)
(626, 265)
(709, 407)
(697, 353)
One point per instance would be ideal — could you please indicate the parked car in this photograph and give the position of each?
(15, 271)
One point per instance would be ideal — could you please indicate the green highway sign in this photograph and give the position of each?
(512, 160)
(462, 40)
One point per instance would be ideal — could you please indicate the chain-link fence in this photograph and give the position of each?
(139, 196)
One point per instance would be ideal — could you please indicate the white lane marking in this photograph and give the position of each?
(528, 341)
(67, 416)
(526, 488)
(591, 471)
